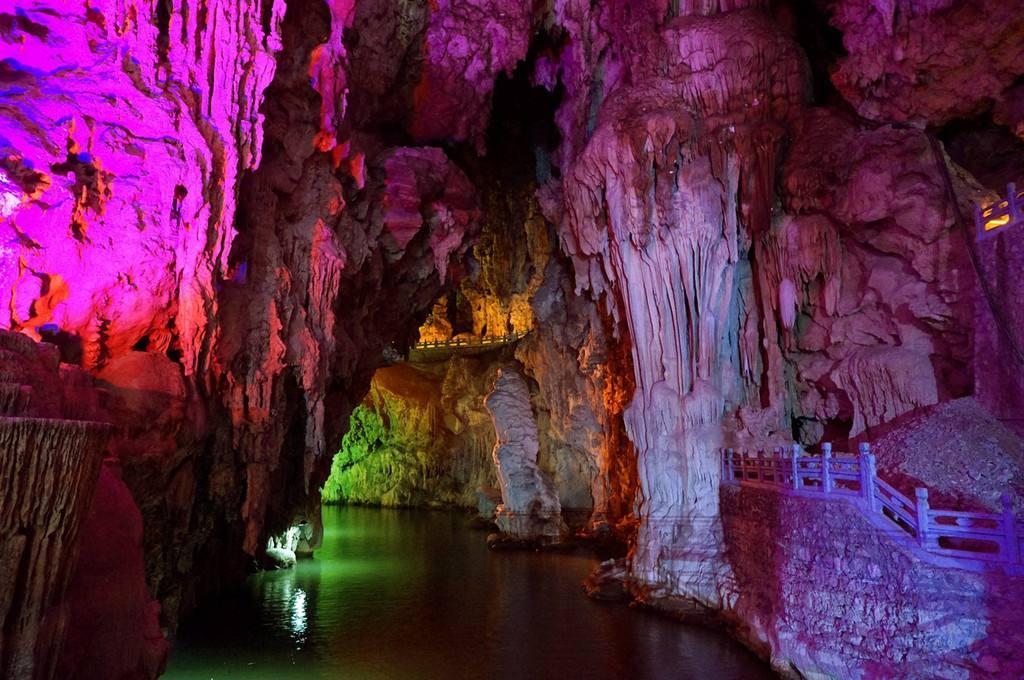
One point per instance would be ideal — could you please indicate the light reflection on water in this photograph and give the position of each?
(417, 595)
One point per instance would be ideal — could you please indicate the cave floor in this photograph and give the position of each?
(417, 595)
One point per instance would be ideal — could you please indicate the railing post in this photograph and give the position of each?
(727, 471)
(867, 476)
(923, 518)
(760, 465)
(1010, 529)
(795, 463)
(826, 471)
(1011, 202)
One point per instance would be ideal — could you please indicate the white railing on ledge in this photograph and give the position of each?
(485, 341)
(950, 533)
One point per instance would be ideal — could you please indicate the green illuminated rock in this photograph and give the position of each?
(401, 449)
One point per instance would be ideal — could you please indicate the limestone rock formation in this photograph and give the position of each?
(402, 448)
(124, 136)
(716, 222)
(998, 360)
(256, 301)
(884, 317)
(113, 622)
(661, 206)
(529, 508)
(927, 61)
(583, 440)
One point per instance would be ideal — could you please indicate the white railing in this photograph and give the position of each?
(462, 343)
(964, 536)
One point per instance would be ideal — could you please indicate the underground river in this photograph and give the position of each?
(417, 595)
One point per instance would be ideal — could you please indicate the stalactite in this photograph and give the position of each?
(661, 208)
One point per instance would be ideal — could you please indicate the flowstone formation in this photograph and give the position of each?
(661, 207)
(529, 506)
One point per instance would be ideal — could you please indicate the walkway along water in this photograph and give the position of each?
(964, 540)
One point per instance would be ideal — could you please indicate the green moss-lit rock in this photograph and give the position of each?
(400, 449)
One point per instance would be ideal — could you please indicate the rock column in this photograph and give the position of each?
(530, 509)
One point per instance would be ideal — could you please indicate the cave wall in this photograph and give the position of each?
(785, 269)
(58, 534)
(998, 359)
(420, 438)
(220, 259)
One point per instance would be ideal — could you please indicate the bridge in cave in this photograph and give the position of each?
(440, 350)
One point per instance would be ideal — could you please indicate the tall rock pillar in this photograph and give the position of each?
(662, 206)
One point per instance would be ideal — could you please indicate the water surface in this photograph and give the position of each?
(413, 595)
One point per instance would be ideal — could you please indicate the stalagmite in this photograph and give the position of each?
(529, 508)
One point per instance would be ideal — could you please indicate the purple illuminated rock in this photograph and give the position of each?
(123, 140)
(927, 60)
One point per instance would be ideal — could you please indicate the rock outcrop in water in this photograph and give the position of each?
(530, 509)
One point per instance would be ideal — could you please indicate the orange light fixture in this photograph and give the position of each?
(1001, 215)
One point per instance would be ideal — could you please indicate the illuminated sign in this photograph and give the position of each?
(1001, 215)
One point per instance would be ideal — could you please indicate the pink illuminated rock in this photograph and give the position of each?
(927, 60)
(114, 623)
(465, 47)
(656, 220)
(150, 400)
(880, 269)
(124, 139)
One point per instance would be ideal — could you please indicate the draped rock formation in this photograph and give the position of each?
(661, 207)
(529, 506)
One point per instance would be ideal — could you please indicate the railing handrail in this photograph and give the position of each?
(793, 472)
(483, 341)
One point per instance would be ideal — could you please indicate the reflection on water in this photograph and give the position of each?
(416, 595)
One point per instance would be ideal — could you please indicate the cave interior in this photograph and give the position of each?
(726, 291)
